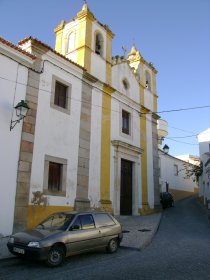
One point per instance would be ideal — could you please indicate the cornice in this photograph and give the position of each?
(120, 144)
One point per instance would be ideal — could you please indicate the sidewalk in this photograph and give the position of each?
(138, 233)
(4, 253)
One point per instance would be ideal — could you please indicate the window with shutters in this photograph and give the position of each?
(55, 173)
(61, 95)
(54, 176)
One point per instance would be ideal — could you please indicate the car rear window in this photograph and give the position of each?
(103, 220)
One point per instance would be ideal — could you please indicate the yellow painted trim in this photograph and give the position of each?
(143, 129)
(155, 103)
(154, 92)
(59, 35)
(84, 43)
(146, 210)
(38, 213)
(108, 59)
(105, 143)
(180, 194)
(106, 205)
(85, 13)
(108, 73)
(81, 43)
(59, 41)
(142, 100)
(88, 40)
(141, 90)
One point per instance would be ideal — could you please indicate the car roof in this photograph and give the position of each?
(80, 212)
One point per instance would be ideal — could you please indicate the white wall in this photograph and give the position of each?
(167, 174)
(57, 134)
(150, 168)
(204, 150)
(121, 71)
(121, 101)
(13, 81)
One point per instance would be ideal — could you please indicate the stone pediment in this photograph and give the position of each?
(118, 144)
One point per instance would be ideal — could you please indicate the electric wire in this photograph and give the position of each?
(181, 141)
(99, 106)
(141, 115)
(183, 109)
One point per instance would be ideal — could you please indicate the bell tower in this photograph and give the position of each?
(87, 42)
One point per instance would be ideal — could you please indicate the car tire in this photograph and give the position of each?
(55, 256)
(112, 246)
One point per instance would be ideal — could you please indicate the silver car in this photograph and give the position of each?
(66, 233)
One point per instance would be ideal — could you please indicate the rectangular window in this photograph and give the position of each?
(60, 95)
(54, 176)
(176, 170)
(60, 98)
(125, 122)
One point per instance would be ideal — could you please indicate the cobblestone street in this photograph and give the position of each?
(180, 250)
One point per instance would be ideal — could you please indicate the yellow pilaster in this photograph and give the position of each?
(59, 37)
(144, 160)
(155, 103)
(85, 18)
(109, 38)
(84, 44)
(145, 210)
(141, 84)
(106, 148)
(154, 91)
(81, 43)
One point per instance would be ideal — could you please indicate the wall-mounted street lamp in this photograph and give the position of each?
(166, 149)
(21, 112)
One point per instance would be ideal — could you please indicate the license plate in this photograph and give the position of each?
(18, 250)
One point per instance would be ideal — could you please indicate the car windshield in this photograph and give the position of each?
(58, 221)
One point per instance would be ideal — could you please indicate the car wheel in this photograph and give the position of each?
(55, 256)
(112, 246)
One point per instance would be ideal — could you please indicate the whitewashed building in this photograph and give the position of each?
(173, 176)
(204, 180)
(14, 70)
(90, 138)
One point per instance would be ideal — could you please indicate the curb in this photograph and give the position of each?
(149, 240)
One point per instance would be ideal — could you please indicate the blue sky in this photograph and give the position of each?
(173, 35)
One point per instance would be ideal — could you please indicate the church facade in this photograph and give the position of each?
(90, 139)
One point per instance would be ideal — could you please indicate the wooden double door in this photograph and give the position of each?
(126, 187)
